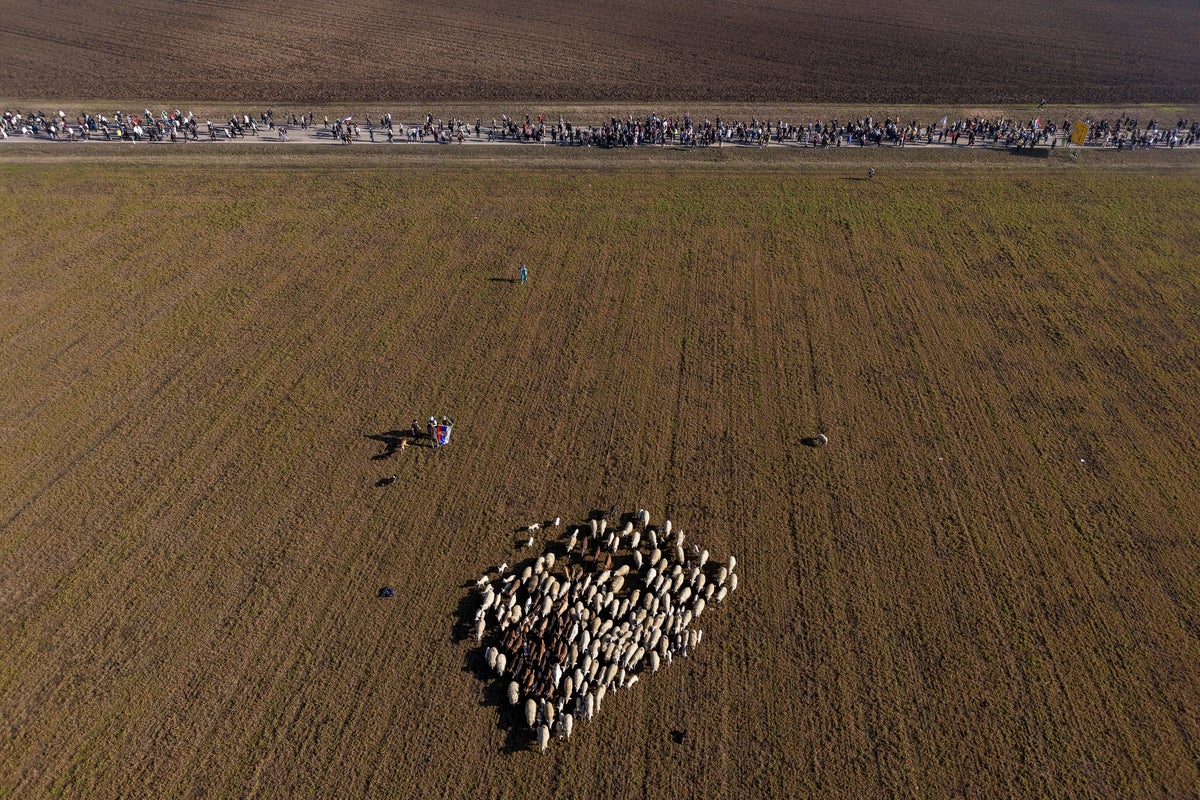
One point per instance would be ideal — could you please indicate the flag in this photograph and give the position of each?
(441, 435)
(945, 119)
(1037, 124)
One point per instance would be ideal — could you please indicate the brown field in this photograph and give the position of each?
(307, 51)
(984, 587)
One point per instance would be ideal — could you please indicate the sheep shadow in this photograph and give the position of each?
(810, 441)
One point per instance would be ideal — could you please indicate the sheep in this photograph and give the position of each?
(557, 521)
(543, 736)
(635, 539)
(501, 663)
(489, 656)
(514, 693)
(529, 543)
(822, 440)
(703, 557)
(533, 527)
(531, 711)
(568, 724)
(667, 528)
(637, 559)
(503, 568)
(482, 581)
(733, 580)
(571, 541)
(480, 626)
(631, 681)
(732, 563)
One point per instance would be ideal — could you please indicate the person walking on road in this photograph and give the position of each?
(524, 273)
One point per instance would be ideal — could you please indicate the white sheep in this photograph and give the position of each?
(733, 582)
(483, 579)
(568, 724)
(503, 568)
(514, 693)
(822, 440)
(667, 528)
(531, 711)
(543, 735)
(480, 626)
(529, 543)
(501, 663)
(489, 656)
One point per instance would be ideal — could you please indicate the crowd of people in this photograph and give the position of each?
(616, 132)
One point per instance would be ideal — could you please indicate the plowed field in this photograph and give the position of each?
(306, 51)
(984, 586)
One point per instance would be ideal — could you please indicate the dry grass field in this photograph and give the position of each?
(307, 51)
(985, 586)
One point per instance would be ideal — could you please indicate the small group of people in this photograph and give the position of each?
(438, 433)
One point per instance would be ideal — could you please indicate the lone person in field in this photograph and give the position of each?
(524, 273)
(870, 173)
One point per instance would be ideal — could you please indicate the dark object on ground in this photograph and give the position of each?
(387, 591)
(386, 481)
(820, 440)
(680, 737)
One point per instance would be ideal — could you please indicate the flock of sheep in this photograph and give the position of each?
(565, 638)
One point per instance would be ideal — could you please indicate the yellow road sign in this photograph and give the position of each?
(1079, 133)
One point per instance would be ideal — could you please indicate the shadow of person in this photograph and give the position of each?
(391, 442)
